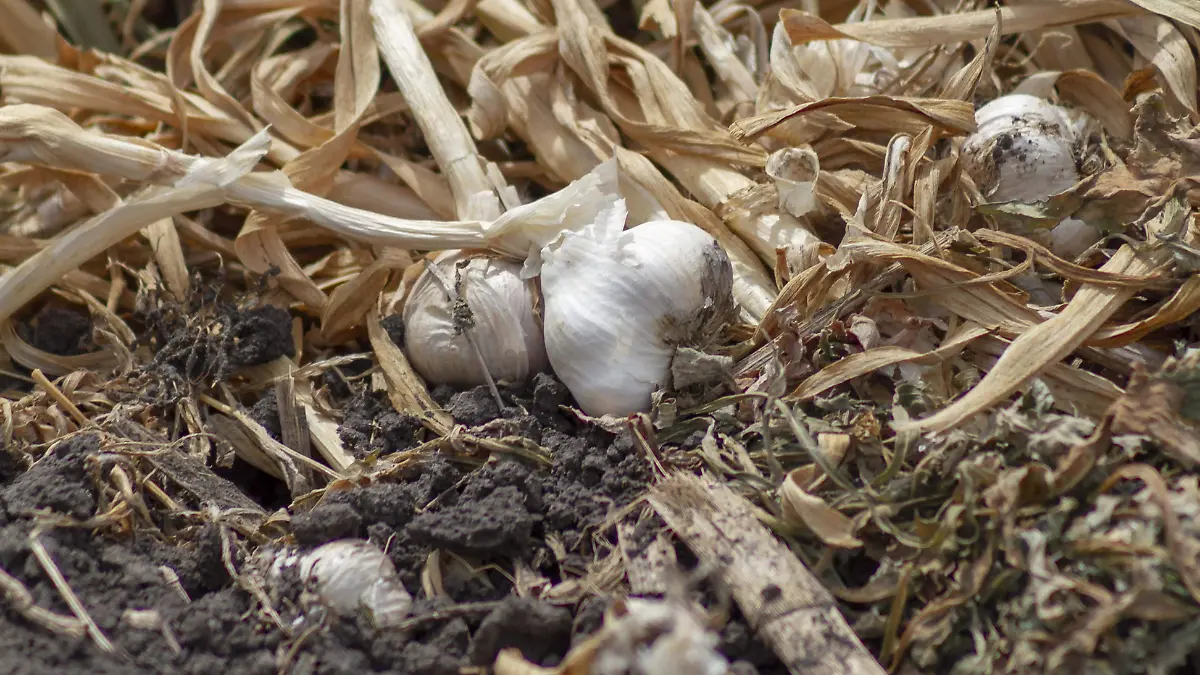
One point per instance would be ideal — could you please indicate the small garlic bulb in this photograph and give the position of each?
(350, 575)
(1023, 150)
(499, 313)
(618, 303)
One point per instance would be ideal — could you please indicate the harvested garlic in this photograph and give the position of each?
(1023, 150)
(1026, 149)
(495, 311)
(619, 303)
(352, 575)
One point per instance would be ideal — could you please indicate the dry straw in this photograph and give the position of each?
(888, 311)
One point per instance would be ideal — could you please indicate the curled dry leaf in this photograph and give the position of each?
(831, 526)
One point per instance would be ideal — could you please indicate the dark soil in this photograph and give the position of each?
(59, 330)
(483, 517)
(206, 340)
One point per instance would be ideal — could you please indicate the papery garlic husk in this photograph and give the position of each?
(1026, 149)
(499, 312)
(795, 171)
(353, 575)
(654, 637)
(617, 305)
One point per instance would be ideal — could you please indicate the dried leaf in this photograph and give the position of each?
(831, 526)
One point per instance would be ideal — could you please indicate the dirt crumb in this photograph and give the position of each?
(441, 653)
(496, 524)
(474, 407)
(261, 335)
(371, 426)
(59, 330)
(326, 522)
(59, 481)
(265, 411)
(540, 630)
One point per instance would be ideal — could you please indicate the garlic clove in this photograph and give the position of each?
(499, 313)
(352, 575)
(1024, 149)
(618, 305)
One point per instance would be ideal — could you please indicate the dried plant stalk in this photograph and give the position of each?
(36, 134)
(926, 31)
(781, 600)
(445, 133)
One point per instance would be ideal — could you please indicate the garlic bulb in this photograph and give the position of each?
(498, 313)
(1026, 150)
(350, 575)
(618, 303)
(1023, 150)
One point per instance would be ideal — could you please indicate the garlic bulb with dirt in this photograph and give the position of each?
(1023, 150)
(1027, 149)
(619, 303)
(466, 313)
(352, 575)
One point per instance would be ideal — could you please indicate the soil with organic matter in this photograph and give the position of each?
(136, 586)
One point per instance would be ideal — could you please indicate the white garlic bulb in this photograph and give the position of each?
(1023, 150)
(499, 312)
(619, 303)
(1026, 150)
(352, 575)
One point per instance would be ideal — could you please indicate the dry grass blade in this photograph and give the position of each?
(68, 594)
(21, 601)
(1158, 41)
(24, 32)
(406, 390)
(954, 27)
(1057, 337)
(876, 112)
(857, 365)
(1183, 11)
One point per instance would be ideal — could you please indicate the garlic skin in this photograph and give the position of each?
(504, 323)
(1023, 150)
(618, 303)
(350, 575)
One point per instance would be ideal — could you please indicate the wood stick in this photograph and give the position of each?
(781, 600)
